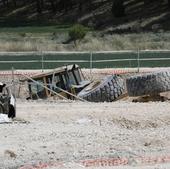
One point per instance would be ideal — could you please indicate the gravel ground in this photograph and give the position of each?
(68, 132)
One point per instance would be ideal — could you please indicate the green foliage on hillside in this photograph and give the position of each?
(77, 32)
(98, 14)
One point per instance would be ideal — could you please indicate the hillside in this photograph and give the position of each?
(139, 15)
(29, 25)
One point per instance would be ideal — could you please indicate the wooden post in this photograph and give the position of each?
(91, 64)
(138, 60)
(42, 61)
(13, 82)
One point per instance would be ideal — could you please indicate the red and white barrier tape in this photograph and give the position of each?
(9, 73)
(101, 71)
(107, 162)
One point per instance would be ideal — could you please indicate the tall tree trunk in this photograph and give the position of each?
(15, 3)
(53, 6)
(5, 3)
(42, 3)
(39, 9)
(80, 6)
(89, 4)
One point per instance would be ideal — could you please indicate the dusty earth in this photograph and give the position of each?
(62, 134)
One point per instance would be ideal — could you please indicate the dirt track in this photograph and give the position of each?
(70, 132)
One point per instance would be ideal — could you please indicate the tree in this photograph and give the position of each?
(118, 8)
(77, 32)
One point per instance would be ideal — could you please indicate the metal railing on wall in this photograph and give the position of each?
(101, 59)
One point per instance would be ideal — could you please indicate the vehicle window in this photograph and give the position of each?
(64, 79)
(33, 87)
(57, 83)
(49, 82)
(39, 87)
(57, 80)
(77, 74)
(72, 80)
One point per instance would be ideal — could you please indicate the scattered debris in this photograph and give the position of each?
(7, 101)
(10, 154)
(19, 120)
(4, 119)
(84, 121)
(68, 82)
(148, 87)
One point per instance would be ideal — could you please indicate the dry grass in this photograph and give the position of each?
(92, 41)
(126, 42)
(29, 46)
(18, 46)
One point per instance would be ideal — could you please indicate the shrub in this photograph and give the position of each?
(77, 32)
(23, 34)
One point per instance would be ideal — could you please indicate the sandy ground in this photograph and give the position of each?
(60, 134)
(69, 132)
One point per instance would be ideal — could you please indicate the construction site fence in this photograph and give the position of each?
(101, 59)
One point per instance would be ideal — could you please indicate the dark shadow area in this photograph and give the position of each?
(95, 13)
